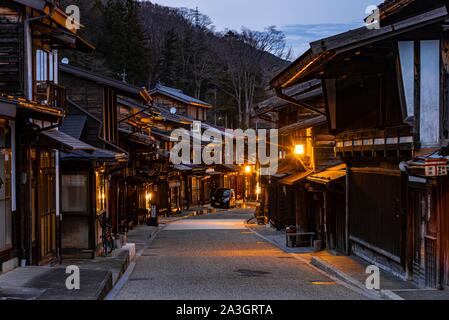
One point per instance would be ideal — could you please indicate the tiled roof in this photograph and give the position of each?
(31, 105)
(98, 154)
(170, 116)
(67, 141)
(329, 175)
(303, 92)
(74, 125)
(178, 95)
(303, 124)
(121, 87)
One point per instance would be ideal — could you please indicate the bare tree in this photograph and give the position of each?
(244, 55)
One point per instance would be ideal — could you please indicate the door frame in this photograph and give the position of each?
(36, 246)
(430, 211)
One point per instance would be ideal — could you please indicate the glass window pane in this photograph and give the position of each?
(74, 193)
(51, 67)
(407, 56)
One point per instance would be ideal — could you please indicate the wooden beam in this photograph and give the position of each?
(295, 102)
(354, 67)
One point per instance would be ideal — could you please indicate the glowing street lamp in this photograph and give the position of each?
(299, 149)
(248, 169)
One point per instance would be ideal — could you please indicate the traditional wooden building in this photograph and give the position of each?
(32, 107)
(135, 121)
(178, 102)
(305, 192)
(391, 137)
(188, 185)
(115, 173)
(86, 185)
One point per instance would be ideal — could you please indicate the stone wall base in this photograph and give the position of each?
(9, 265)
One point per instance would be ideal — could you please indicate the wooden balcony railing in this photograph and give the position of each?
(389, 139)
(51, 94)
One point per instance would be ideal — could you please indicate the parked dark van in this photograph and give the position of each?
(223, 198)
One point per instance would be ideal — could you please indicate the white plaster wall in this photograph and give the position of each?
(430, 93)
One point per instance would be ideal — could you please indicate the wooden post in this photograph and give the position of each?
(92, 208)
(20, 169)
(325, 218)
(408, 227)
(58, 206)
(347, 246)
(439, 251)
(28, 211)
(417, 97)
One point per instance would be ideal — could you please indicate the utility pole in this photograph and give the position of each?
(123, 75)
(215, 105)
(197, 17)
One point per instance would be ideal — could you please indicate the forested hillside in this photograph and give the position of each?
(144, 44)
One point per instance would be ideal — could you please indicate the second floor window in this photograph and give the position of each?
(45, 66)
(44, 74)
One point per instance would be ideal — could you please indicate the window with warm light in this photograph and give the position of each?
(149, 199)
(258, 189)
(101, 192)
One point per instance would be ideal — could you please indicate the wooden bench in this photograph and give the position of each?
(292, 239)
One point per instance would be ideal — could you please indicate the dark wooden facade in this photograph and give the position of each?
(175, 100)
(294, 199)
(32, 106)
(386, 134)
(11, 49)
(123, 183)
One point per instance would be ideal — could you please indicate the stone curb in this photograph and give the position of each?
(324, 269)
(105, 288)
(330, 269)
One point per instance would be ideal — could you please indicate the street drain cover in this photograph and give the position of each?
(252, 273)
(285, 257)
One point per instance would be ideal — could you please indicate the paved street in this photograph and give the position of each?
(217, 257)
